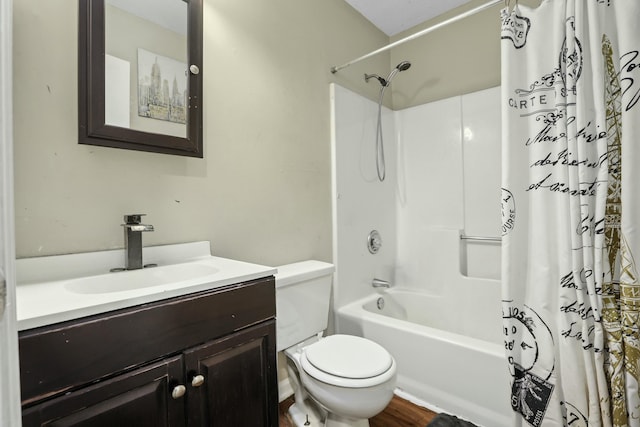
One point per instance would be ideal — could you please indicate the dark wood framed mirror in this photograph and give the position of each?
(140, 75)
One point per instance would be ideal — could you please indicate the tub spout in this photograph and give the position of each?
(379, 283)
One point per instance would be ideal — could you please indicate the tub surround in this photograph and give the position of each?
(65, 287)
(443, 174)
(361, 203)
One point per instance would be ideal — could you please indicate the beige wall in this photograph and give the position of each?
(459, 58)
(262, 192)
(456, 59)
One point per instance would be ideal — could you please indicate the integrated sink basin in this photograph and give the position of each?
(58, 288)
(145, 278)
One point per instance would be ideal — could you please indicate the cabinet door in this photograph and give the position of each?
(232, 381)
(142, 398)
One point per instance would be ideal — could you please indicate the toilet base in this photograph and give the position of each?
(308, 414)
(305, 414)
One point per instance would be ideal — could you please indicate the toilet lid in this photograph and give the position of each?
(349, 356)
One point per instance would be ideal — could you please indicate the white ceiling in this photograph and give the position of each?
(394, 16)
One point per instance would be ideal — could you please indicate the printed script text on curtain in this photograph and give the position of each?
(570, 211)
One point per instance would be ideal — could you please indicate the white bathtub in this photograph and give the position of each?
(450, 360)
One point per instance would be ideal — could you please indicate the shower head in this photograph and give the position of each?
(403, 66)
(382, 81)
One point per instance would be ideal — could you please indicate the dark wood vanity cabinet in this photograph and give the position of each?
(136, 398)
(206, 359)
(229, 374)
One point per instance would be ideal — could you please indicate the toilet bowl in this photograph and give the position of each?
(338, 380)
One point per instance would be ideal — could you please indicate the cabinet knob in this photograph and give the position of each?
(178, 391)
(197, 381)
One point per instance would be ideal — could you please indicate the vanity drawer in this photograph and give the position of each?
(58, 358)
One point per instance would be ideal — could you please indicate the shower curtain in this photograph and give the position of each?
(571, 211)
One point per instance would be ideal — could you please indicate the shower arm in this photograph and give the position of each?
(382, 81)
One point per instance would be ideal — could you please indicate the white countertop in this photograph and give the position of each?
(64, 287)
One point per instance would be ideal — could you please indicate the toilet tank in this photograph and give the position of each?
(303, 292)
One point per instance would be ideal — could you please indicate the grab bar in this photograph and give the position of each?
(481, 238)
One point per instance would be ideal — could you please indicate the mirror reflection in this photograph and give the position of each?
(140, 75)
(146, 66)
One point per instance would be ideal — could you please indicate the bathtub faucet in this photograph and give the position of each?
(379, 283)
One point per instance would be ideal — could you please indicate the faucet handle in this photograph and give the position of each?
(133, 218)
(138, 227)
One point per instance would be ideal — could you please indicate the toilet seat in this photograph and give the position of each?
(348, 361)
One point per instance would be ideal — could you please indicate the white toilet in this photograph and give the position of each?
(339, 380)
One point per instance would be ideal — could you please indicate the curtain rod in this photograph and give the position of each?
(421, 33)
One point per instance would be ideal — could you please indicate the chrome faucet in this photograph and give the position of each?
(379, 283)
(133, 230)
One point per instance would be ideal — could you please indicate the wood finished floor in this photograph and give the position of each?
(399, 413)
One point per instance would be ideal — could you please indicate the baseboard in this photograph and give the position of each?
(418, 402)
